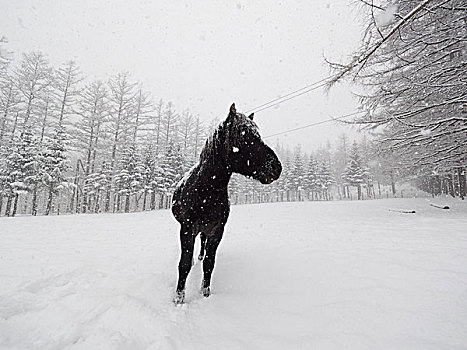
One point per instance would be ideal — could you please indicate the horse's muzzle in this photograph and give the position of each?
(273, 170)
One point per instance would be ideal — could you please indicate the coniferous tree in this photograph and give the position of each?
(20, 173)
(141, 110)
(96, 186)
(148, 171)
(66, 89)
(297, 171)
(340, 163)
(45, 106)
(121, 95)
(54, 165)
(169, 125)
(32, 78)
(355, 174)
(187, 137)
(286, 176)
(9, 100)
(172, 166)
(157, 128)
(129, 179)
(325, 180)
(235, 187)
(311, 178)
(91, 110)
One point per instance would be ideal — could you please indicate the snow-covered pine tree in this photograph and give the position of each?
(159, 183)
(297, 172)
(325, 180)
(339, 163)
(285, 180)
(8, 171)
(173, 166)
(21, 170)
(54, 164)
(129, 178)
(148, 168)
(355, 173)
(236, 187)
(311, 178)
(96, 185)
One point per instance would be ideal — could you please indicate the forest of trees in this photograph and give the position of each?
(72, 146)
(77, 146)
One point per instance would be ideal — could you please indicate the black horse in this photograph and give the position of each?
(200, 202)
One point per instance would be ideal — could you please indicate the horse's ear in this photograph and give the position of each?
(233, 110)
(251, 116)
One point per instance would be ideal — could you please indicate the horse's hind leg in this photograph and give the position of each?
(203, 246)
(187, 243)
(209, 260)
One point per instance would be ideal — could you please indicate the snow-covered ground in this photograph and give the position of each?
(327, 275)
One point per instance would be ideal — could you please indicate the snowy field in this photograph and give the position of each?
(327, 275)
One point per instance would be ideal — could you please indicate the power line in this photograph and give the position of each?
(299, 92)
(314, 124)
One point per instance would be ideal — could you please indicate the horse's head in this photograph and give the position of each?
(247, 154)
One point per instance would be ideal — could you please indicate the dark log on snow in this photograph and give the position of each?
(403, 211)
(439, 206)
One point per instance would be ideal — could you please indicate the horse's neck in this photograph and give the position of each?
(214, 174)
(213, 169)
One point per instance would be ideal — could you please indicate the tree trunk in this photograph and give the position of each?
(450, 181)
(118, 203)
(97, 202)
(144, 200)
(15, 205)
(153, 201)
(462, 183)
(8, 206)
(49, 202)
(127, 203)
(107, 200)
(34, 201)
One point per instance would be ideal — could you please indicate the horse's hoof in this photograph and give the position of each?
(206, 291)
(179, 297)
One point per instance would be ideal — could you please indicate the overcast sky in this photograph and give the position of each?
(203, 55)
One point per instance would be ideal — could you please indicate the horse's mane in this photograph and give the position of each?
(230, 131)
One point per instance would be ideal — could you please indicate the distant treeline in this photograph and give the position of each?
(68, 145)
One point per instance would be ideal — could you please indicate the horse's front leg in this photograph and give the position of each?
(203, 246)
(187, 243)
(210, 259)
